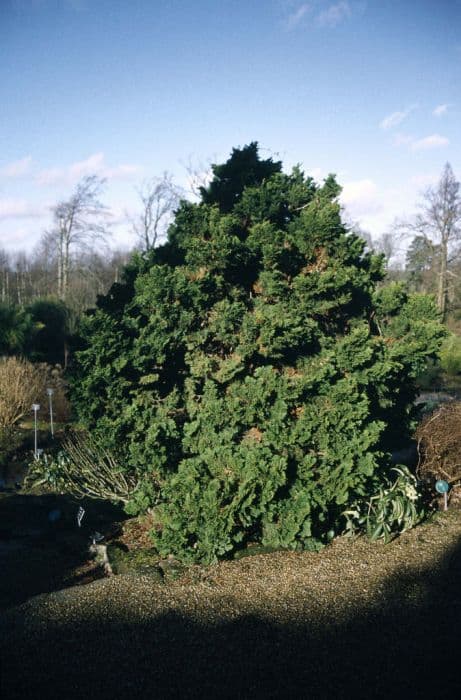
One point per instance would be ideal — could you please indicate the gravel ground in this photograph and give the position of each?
(359, 619)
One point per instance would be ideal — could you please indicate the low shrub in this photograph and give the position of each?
(430, 378)
(395, 508)
(83, 468)
(145, 495)
(450, 355)
(21, 385)
(10, 441)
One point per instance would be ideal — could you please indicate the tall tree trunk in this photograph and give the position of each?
(19, 288)
(60, 255)
(4, 285)
(442, 286)
(65, 269)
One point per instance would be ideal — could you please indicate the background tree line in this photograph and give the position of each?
(431, 240)
(73, 263)
(73, 260)
(26, 277)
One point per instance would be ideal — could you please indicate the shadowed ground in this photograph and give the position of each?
(357, 620)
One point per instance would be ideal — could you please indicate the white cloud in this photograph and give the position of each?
(316, 173)
(16, 168)
(396, 118)
(358, 189)
(334, 14)
(376, 206)
(361, 197)
(424, 144)
(50, 176)
(94, 164)
(15, 208)
(433, 141)
(296, 17)
(440, 110)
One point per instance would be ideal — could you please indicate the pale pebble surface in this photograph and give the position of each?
(358, 619)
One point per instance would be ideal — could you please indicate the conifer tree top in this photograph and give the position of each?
(243, 169)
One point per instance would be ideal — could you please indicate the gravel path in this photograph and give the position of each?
(357, 620)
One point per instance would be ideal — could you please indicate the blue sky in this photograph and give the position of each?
(368, 89)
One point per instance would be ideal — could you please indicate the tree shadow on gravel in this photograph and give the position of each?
(406, 645)
(41, 543)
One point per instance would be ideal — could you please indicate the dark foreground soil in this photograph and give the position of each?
(357, 620)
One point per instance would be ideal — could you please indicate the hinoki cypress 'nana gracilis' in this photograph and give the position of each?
(250, 366)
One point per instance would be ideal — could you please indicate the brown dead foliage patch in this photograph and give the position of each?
(198, 274)
(136, 532)
(297, 411)
(319, 264)
(439, 444)
(254, 434)
(293, 372)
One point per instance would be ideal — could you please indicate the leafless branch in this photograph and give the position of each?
(159, 198)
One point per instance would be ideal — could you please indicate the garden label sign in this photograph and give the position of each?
(80, 514)
(35, 408)
(441, 486)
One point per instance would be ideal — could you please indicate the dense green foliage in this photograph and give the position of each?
(39, 331)
(16, 328)
(250, 365)
(450, 355)
(52, 320)
(10, 442)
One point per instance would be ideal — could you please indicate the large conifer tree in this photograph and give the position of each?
(249, 365)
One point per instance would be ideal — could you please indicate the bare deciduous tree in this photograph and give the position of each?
(5, 266)
(79, 220)
(386, 244)
(159, 198)
(439, 222)
(199, 174)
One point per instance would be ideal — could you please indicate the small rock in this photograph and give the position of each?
(99, 552)
(171, 568)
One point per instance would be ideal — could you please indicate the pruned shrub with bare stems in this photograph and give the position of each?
(84, 469)
(21, 385)
(439, 444)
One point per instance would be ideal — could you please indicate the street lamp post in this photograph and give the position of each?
(35, 408)
(50, 393)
